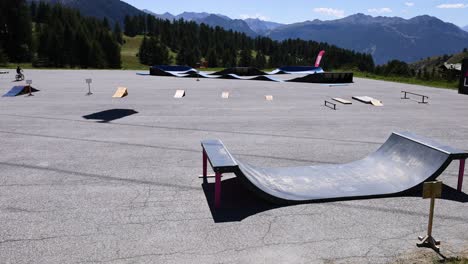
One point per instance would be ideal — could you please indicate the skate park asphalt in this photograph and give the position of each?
(96, 179)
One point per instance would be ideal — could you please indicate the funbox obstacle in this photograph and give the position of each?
(402, 163)
(225, 95)
(179, 94)
(121, 92)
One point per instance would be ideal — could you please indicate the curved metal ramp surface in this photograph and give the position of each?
(403, 162)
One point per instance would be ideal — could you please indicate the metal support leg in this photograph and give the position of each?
(205, 168)
(460, 175)
(217, 190)
(205, 164)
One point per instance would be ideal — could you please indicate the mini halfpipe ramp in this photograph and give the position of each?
(403, 162)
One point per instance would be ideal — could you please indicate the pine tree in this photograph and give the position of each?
(111, 50)
(153, 52)
(105, 23)
(66, 39)
(419, 74)
(16, 30)
(118, 33)
(433, 73)
(3, 57)
(96, 56)
(42, 13)
(229, 58)
(83, 49)
(130, 26)
(260, 60)
(212, 58)
(33, 8)
(158, 53)
(180, 58)
(143, 52)
(245, 58)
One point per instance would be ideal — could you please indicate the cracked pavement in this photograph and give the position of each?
(128, 191)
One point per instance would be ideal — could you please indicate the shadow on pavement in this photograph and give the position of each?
(238, 203)
(110, 115)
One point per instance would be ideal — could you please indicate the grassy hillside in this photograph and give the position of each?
(129, 53)
(408, 80)
(436, 61)
(457, 58)
(429, 65)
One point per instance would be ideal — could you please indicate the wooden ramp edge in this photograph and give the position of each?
(179, 94)
(376, 102)
(121, 92)
(341, 100)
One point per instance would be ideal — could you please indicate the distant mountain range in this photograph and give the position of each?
(250, 26)
(262, 27)
(386, 38)
(465, 28)
(211, 20)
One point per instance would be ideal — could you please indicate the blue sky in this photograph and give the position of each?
(291, 11)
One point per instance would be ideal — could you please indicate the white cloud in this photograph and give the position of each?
(259, 16)
(330, 11)
(452, 6)
(380, 10)
(410, 4)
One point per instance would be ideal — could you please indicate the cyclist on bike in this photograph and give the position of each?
(19, 73)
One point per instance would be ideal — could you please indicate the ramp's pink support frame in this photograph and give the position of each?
(217, 202)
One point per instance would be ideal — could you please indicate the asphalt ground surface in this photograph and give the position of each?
(94, 179)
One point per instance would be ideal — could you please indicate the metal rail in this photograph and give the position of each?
(423, 97)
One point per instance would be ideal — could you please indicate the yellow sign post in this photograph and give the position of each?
(431, 190)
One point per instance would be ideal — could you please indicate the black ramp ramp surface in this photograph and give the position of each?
(16, 90)
(403, 162)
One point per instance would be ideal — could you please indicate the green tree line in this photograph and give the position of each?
(55, 36)
(396, 68)
(226, 48)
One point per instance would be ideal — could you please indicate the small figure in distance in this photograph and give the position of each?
(19, 74)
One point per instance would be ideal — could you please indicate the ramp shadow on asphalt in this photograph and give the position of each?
(110, 115)
(238, 203)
